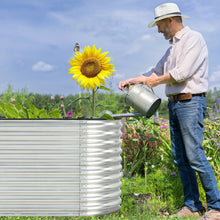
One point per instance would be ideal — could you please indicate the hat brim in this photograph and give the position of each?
(153, 23)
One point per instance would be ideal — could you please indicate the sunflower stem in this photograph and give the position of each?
(93, 103)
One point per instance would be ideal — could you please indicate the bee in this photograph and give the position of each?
(76, 47)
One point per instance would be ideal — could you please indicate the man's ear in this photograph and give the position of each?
(170, 20)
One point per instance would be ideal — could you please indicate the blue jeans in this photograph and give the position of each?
(186, 130)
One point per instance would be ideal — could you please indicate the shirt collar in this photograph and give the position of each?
(179, 35)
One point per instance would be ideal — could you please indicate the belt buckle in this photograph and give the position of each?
(173, 98)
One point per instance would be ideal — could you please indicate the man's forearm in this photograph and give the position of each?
(155, 80)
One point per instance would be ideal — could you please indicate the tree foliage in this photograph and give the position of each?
(81, 103)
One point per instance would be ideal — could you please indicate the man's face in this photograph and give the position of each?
(165, 28)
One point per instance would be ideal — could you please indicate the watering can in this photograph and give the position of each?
(141, 99)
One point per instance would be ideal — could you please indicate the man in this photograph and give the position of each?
(184, 70)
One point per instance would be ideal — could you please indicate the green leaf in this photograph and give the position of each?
(2, 105)
(205, 142)
(30, 115)
(2, 111)
(135, 140)
(17, 106)
(153, 139)
(155, 133)
(105, 88)
(80, 98)
(43, 113)
(209, 147)
(11, 111)
(23, 113)
(143, 137)
(54, 114)
(35, 111)
(107, 116)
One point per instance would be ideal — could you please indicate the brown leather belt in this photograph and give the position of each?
(184, 96)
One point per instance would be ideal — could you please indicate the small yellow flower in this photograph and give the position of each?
(91, 67)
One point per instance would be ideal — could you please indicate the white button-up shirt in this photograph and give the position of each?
(187, 62)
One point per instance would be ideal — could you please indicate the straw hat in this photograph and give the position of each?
(165, 11)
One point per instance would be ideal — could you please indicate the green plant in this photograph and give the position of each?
(211, 142)
(140, 146)
(16, 111)
(19, 96)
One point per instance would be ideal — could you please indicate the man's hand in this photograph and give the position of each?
(126, 83)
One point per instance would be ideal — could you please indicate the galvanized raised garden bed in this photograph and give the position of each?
(59, 167)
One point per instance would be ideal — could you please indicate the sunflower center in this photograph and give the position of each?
(91, 67)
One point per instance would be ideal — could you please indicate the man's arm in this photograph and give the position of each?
(151, 81)
(154, 80)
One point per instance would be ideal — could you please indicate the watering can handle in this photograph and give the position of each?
(124, 90)
(152, 90)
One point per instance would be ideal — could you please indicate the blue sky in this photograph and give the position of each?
(37, 39)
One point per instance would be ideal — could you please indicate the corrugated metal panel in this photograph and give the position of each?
(59, 167)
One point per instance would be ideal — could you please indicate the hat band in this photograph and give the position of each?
(168, 14)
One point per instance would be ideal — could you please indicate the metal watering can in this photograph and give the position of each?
(141, 99)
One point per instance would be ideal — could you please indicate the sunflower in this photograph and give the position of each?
(91, 67)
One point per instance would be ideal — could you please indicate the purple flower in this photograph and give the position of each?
(217, 144)
(215, 119)
(52, 98)
(164, 126)
(173, 173)
(70, 114)
(212, 139)
(61, 97)
(62, 106)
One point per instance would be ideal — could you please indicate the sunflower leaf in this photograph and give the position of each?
(105, 88)
(107, 116)
(77, 99)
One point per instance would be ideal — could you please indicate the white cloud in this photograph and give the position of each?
(42, 67)
(119, 76)
(215, 75)
(146, 37)
(214, 79)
